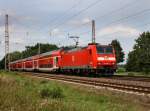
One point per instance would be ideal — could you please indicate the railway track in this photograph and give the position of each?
(122, 85)
(133, 78)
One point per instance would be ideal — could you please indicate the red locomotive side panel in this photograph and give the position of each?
(93, 53)
(90, 58)
(79, 58)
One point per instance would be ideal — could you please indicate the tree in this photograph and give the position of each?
(131, 62)
(118, 50)
(33, 50)
(139, 58)
(15, 56)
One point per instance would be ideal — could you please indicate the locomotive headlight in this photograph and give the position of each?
(100, 58)
(112, 58)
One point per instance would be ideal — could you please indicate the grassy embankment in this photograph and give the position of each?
(122, 71)
(20, 93)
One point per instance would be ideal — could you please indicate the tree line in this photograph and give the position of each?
(139, 58)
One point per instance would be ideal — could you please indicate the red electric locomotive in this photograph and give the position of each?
(94, 58)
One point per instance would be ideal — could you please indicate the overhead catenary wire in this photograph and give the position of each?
(109, 34)
(65, 13)
(91, 5)
(139, 25)
(135, 0)
(126, 17)
(129, 16)
(123, 18)
(109, 13)
(80, 12)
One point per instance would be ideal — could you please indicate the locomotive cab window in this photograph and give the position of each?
(100, 50)
(109, 50)
(104, 49)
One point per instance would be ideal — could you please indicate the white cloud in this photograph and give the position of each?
(86, 20)
(2, 29)
(83, 21)
(17, 40)
(56, 32)
(124, 31)
(25, 19)
(6, 11)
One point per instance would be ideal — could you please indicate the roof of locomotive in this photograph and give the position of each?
(98, 44)
(71, 49)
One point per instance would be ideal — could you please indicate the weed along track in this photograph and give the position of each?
(127, 85)
(132, 78)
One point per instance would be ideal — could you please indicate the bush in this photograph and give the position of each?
(57, 92)
(131, 74)
(54, 93)
(146, 71)
(45, 92)
(121, 70)
(44, 82)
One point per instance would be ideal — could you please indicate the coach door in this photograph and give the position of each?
(24, 66)
(36, 64)
(55, 60)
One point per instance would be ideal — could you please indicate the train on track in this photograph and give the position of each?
(92, 59)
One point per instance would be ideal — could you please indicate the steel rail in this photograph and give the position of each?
(133, 78)
(107, 84)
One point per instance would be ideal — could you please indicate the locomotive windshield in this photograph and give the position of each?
(104, 49)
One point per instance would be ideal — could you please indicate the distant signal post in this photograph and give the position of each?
(93, 31)
(7, 56)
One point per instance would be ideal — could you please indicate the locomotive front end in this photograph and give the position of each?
(106, 58)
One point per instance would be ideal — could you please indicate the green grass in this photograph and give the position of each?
(133, 74)
(22, 93)
(121, 70)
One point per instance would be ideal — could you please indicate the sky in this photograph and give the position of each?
(52, 21)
